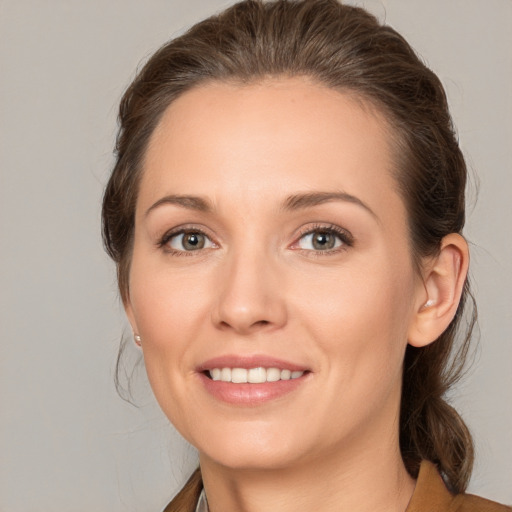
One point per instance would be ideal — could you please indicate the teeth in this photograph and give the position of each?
(286, 374)
(239, 375)
(225, 375)
(253, 375)
(273, 374)
(257, 375)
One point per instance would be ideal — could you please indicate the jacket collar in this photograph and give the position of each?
(430, 492)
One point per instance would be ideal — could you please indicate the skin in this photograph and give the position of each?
(260, 287)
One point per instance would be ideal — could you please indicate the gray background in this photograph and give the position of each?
(67, 442)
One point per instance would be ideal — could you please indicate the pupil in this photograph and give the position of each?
(323, 241)
(193, 241)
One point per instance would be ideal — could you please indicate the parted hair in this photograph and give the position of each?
(346, 49)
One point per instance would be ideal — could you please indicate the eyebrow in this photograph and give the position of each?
(292, 203)
(309, 199)
(188, 202)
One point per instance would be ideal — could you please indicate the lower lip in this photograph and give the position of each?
(249, 394)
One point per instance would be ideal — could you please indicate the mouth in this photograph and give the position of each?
(251, 380)
(258, 375)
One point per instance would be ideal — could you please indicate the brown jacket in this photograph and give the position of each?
(430, 495)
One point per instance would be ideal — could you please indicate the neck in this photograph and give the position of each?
(371, 477)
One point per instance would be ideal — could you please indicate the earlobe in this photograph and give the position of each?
(443, 283)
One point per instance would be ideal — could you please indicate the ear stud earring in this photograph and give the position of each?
(138, 339)
(430, 302)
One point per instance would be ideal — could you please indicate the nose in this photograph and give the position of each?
(251, 295)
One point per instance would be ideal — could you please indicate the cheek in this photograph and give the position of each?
(360, 314)
(165, 302)
(167, 312)
(167, 309)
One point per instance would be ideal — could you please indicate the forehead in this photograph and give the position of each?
(278, 136)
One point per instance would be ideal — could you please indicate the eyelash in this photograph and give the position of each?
(346, 238)
(343, 235)
(166, 238)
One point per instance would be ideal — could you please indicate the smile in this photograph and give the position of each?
(258, 375)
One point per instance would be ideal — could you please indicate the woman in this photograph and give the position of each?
(285, 214)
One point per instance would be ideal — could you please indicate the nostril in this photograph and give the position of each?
(259, 323)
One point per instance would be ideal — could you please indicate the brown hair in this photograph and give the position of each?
(346, 49)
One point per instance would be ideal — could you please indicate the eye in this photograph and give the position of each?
(323, 239)
(188, 241)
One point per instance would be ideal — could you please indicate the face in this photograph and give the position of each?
(272, 281)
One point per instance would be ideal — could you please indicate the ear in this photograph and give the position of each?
(443, 281)
(130, 315)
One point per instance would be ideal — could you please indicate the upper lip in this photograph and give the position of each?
(247, 362)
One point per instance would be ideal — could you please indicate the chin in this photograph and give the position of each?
(249, 459)
(252, 449)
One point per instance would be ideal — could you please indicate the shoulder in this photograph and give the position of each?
(471, 503)
(186, 499)
(431, 495)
